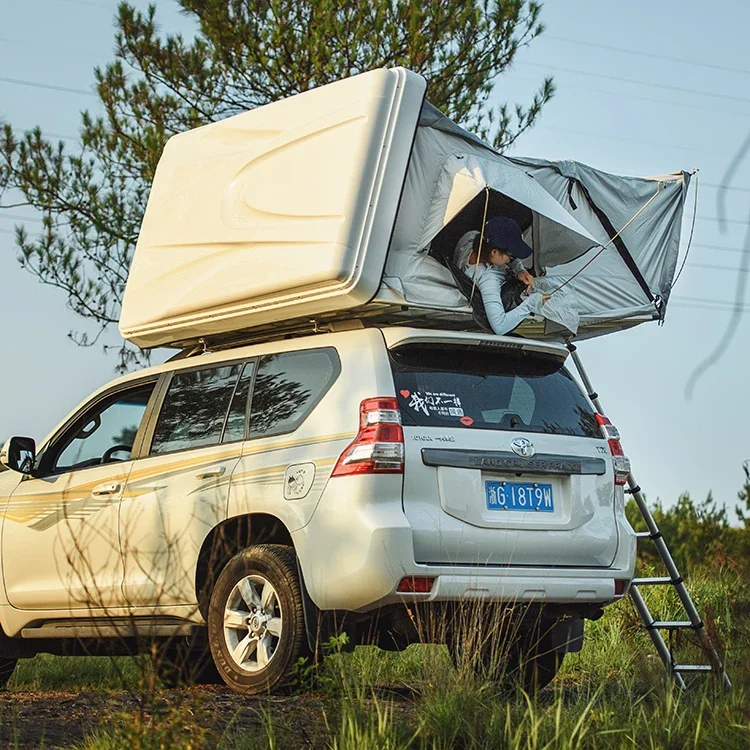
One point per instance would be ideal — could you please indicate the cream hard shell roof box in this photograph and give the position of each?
(280, 212)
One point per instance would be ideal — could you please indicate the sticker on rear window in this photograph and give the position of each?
(438, 404)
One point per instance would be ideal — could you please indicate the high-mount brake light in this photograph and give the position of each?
(620, 462)
(379, 445)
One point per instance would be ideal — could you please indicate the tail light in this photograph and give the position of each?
(379, 445)
(620, 461)
(415, 585)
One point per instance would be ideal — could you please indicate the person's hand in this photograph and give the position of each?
(545, 297)
(526, 278)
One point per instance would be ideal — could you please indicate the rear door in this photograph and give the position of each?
(505, 463)
(178, 491)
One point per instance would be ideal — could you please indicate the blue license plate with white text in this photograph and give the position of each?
(526, 496)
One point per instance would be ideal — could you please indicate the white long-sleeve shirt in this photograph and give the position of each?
(489, 280)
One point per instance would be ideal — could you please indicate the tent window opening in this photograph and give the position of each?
(469, 218)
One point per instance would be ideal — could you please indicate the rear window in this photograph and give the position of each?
(451, 386)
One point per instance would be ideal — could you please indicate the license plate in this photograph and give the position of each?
(519, 496)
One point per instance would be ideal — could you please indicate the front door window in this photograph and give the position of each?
(106, 434)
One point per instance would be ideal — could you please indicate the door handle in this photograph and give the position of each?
(211, 473)
(103, 490)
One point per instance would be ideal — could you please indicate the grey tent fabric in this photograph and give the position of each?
(576, 210)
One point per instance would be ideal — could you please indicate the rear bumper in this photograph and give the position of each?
(506, 585)
(358, 546)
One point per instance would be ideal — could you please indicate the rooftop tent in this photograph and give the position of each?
(636, 220)
(345, 202)
(281, 212)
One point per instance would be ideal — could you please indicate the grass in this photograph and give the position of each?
(613, 694)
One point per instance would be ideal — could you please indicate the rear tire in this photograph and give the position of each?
(527, 660)
(256, 625)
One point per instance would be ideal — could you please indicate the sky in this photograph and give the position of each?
(643, 88)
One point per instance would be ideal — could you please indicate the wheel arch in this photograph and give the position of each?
(228, 538)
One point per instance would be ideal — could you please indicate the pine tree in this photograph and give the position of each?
(743, 513)
(245, 53)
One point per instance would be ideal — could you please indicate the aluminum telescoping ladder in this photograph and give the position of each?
(652, 626)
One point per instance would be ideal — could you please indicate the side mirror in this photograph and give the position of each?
(18, 454)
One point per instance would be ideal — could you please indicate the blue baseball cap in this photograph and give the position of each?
(504, 233)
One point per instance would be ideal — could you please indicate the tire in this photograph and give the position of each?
(256, 625)
(6, 670)
(533, 664)
(527, 661)
(184, 662)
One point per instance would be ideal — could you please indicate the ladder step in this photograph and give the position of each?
(670, 624)
(651, 581)
(692, 668)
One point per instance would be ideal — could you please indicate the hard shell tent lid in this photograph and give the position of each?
(280, 212)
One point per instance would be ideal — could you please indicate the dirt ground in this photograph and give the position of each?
(56, 719)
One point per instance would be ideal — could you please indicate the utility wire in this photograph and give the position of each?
(627, 139)
(717, 268)
(707, 300)
(40, 85)
(727, 221)
(619, 79)
(16, 217)
(654, 55)
(624, 94)
(727, 187)
(721, 247)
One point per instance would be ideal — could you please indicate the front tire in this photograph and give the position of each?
(6, 670)
(256, 626)
(184, 662)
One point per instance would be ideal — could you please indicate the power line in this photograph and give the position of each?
(47, 134)
(653, 55)
(709, 301)
(709, 308)
(631, 140)
(619, 79)
(39, 85)
(16, 217)
(717, 268)
(87, 4)
(68, 49)
(620, 94)
(728, 221)
(723, 248)
(725, 187)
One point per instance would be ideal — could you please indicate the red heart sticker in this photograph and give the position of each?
(405, 393)
(468, 421)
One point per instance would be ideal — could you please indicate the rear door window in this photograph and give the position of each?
(287, 388)
(453, 386)
(195, 408)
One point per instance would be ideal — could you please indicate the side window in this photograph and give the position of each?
(287, 388)
(235, 428)
(106, 433)
(195, 408)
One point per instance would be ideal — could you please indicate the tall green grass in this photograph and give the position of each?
(613, 694)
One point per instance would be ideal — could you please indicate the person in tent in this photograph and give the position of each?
(502, 250)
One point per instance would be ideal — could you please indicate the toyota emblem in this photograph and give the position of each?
(522, 447)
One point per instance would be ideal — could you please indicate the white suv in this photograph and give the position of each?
(267, 496)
